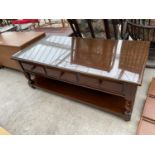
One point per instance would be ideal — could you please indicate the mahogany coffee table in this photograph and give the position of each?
(103, 73)
(12, 42)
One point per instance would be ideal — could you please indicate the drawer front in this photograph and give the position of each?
(68, 76)
(102, 85)
(33, 68)
(53, 72)
(89, 81)
(111, 86)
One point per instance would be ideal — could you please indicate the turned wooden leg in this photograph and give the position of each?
(30, 83)
(130, 92)
(128, 110)
(30, 80)
(28, 76)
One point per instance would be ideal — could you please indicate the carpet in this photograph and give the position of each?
(24, 110)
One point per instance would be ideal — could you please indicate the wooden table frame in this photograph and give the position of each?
(114, 95)
(128, 92)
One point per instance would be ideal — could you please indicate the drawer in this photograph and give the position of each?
(89, 81)
(111, 86)
(33, 68)
(68, 76)
(53, 72)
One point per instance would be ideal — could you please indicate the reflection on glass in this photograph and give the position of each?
(86, 53)
(130, 59)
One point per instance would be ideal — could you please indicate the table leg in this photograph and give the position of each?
(28, 76)
(130, 92)
(128, 110)
(30, 80)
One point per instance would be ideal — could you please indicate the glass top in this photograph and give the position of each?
(118, 60)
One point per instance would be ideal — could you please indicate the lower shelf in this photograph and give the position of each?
(107, 102)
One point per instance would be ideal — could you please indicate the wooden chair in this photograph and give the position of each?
(6, 25)
(4, 22)
(141, 29)
(106, 29)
